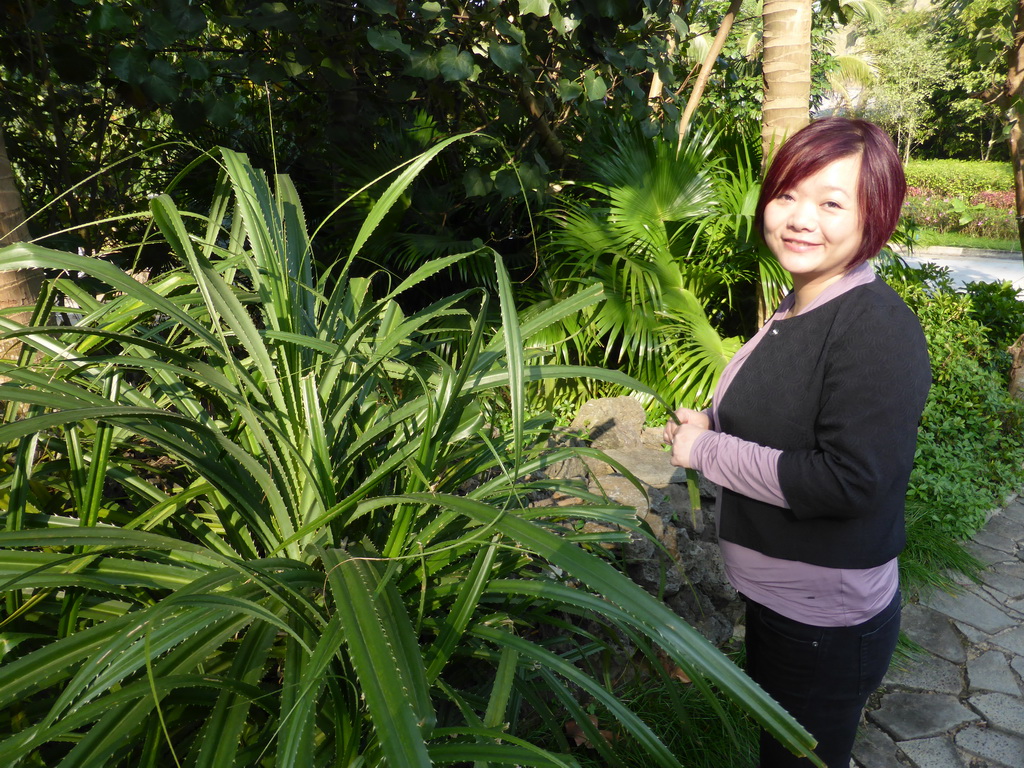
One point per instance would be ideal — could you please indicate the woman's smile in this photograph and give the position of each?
(814, 229)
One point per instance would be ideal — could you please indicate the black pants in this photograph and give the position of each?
(822, 676)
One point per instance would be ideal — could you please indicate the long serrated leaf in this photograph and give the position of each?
(378, 665)
(681, 641)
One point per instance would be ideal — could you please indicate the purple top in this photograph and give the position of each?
(812, 594)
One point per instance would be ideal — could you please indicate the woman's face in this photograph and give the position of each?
(814, 229)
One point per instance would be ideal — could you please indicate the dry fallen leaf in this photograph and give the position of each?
(674, 670)
(579, 736)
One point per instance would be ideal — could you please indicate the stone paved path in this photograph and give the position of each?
(961, 703)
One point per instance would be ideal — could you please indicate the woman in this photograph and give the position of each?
(811, 437)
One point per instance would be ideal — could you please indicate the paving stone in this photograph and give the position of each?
(987, 555)
(1012, 568)
(994, 597)
(1011, 641)
(998, 578)
(919, 715)
(1003, 527)
(970, 609)
(1016, 605)
(999, 749)
(1001, 711)
(1017, 662)
(991, 672)
(873, 748)
(936, 752)
(934, 632)
(1014, 512)
(972, 635)
(993, 540)
(928, 673)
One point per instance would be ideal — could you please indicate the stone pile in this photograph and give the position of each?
(685, 567)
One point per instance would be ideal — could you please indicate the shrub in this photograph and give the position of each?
(953, 214)
(959, 178)
(256, 516)
(970, 449)
(997, 307)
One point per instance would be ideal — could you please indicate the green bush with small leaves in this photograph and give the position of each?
(997, 307)
(970, 449)
(959, 178)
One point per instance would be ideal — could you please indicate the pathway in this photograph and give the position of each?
(961, 703)
(974, 265)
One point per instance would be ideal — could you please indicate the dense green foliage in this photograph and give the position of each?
(260, 516)
(668, 234)
(88, 85)
(960, 178)
(971, 198)
(1000, 311)
(908, 69)
(970, 218)
(971, 442)
(707, 741)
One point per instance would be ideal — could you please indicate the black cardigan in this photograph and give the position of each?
(840, 389)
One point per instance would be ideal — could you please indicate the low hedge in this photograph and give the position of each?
(959, 178)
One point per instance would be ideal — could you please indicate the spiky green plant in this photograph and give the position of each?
(255, 517)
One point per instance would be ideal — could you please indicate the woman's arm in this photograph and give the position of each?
(876, 382)
(874, 386)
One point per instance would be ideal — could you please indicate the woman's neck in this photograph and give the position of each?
(804, 293)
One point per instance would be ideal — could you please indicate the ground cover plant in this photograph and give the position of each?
(959, 198)
(971, 441)
(260, 516)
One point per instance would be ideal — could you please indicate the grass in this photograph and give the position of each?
(927, 237)
(684, 720)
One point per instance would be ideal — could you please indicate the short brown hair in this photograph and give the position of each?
(881, 187)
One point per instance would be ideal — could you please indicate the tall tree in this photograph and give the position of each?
(787, 70)
(910, 67)
(18, 288)
(1014, 84)
(985, 30)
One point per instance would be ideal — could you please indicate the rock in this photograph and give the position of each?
(1001, 711)
(570, 467)
(936, 752)
(920, 715)
(970, 609)
(679, 560)
(611, 422)
(928, 673)
(874, 749)
(991, 672)
(998, 749)
(933, 631)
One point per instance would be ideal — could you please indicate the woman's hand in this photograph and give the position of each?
(681, 436)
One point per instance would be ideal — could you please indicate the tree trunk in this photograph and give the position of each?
(705, 70)
(1014, 81)
(787, 71)
(18, 288)
(1017, 368)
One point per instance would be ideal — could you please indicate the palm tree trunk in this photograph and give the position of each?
(787, 70)
(1014, 83)
(18, 288)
